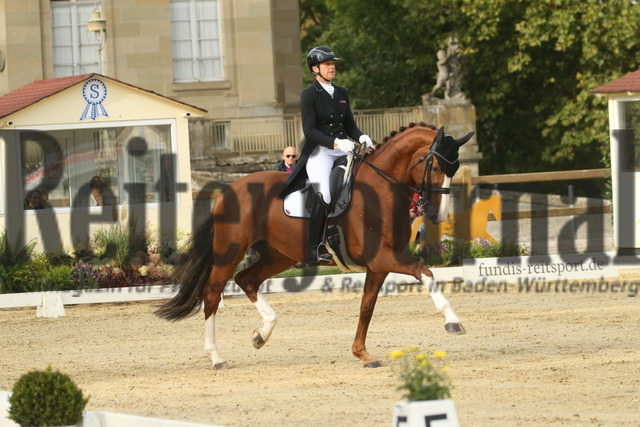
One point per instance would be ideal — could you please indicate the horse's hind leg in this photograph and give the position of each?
(271, 262)
(212, 298)
(210, 345)
(218, 278)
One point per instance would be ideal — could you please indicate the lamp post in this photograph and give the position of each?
(98, 25)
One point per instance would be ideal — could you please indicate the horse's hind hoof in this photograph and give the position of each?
(374, 364)
(220, 366)
(257, 340)
(455, 328)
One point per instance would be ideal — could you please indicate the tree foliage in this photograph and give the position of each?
(530, 66)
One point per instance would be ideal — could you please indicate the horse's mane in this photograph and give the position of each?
(392, 135)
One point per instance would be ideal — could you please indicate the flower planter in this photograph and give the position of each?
(425, 413)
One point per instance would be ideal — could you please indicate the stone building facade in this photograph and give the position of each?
(245, 53)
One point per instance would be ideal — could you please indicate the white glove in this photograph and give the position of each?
(345, 145)
(364, 139)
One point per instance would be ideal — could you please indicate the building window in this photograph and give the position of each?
(68, 167)
(195, 39)
(75, 50)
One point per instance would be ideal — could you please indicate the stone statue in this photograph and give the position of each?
(449, 75)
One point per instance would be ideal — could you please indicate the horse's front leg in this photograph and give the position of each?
(452, 321)
(372, 284)
(403, 264)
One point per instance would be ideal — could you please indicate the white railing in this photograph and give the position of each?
(273, 134)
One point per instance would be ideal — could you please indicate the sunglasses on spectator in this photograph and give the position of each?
(290, 155)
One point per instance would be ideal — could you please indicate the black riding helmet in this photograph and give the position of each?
(320, 54)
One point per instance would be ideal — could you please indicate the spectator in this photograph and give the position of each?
(34, 200)
(415, 212)
(97, 197)
(289, 157)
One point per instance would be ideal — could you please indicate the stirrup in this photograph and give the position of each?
(325, 258)
(317, 258)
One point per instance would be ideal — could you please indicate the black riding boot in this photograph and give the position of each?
(317, 224)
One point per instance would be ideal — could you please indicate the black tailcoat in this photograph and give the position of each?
(323, 120)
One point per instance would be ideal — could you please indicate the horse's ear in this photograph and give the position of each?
(439, 136)
(461, 141)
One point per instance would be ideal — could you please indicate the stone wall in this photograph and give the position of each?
(229, 167)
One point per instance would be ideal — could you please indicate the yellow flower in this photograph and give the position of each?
(446, 368)
(396, 354)
(422, 375)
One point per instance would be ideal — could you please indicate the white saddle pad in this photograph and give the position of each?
(294, 204)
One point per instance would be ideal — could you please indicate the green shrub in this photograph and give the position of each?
(46, 398)
(57, 278)
(39, 275)
(451, 252)
(16, 255)
(114, 258)
(6, 279)
(117, 243)
(58, 258)
(484, 249)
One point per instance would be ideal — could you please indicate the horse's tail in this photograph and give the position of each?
(191, 276)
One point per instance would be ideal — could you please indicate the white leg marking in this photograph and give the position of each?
(269, 317)
(210, 346)
(441, 303)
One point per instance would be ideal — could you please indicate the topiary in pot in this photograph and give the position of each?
(46, 398)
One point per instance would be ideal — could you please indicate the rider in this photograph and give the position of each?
(327, 123)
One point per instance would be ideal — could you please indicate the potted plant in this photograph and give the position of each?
(427, 388)
(46, 398)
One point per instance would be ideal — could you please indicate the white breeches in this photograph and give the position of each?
(319, 170)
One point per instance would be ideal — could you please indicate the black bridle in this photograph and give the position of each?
(426, 186)
(424, 189)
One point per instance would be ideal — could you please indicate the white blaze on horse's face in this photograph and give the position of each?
(439, 212)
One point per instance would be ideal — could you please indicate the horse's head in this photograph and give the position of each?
(434, 170)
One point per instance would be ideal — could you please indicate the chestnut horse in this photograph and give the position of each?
(376, 228)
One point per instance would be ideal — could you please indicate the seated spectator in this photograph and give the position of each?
(97, 197)
(416, 211)
(34, 200)
(289, 157)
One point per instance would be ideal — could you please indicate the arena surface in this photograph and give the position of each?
(528, 359)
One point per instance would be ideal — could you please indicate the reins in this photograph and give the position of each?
(425, 186)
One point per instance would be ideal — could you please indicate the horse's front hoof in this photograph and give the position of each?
(257, 340)
(455, 328)
(374, 364)
(220, 366)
